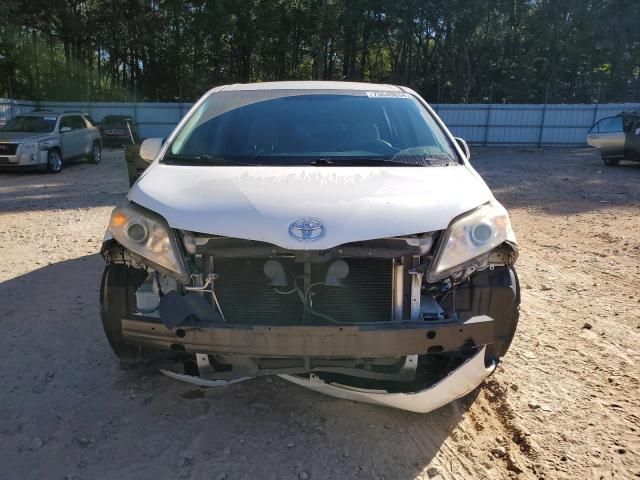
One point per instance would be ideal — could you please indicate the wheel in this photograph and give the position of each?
(96, 153)
(117, 300)
(54, 161)
(508, 323)
(496, 294)
(610, 162)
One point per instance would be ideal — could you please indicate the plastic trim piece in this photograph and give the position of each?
(455, 385)
(201, 382)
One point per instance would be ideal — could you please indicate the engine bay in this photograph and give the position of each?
(370, 286)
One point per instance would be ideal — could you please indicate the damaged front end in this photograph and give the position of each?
(373, 320)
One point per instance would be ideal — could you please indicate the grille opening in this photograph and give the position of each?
(8, 148)
(246, 298)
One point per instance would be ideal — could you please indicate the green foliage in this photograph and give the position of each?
(448, 50)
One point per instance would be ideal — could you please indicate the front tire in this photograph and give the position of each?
(507, 321)
(610, 162)
(117, 300)
(96, 153)
(54, 161)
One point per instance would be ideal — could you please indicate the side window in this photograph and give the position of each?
(78, 122)
(66, 122)
(610, 125)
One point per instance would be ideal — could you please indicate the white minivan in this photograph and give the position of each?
(332, 233)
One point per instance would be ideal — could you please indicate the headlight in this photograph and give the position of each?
(148, 235)
(33, 147)
(28, 148)
(469, 236)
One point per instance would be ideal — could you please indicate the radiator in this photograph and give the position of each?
(245, 296)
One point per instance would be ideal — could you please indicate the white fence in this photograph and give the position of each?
(479, 124)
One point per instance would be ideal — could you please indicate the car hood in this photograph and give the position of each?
(352, 203)
(19, 137)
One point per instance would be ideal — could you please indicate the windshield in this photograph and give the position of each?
(298, 127)
(31, 123)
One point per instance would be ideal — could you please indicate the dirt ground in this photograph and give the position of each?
(564, 404)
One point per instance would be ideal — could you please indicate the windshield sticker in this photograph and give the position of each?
(388, 94)
(49, 118)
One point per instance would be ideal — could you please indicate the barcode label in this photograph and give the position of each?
(388, 94)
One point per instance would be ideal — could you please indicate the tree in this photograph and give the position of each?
(448, 50)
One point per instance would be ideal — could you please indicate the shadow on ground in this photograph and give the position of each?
(558, 181)
(69, 410)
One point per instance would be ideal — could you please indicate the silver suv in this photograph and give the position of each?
(47, 139)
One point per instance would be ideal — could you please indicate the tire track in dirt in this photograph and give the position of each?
(521, 453)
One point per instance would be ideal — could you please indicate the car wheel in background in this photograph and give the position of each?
(610, 162)
(96, 153)
(54, 161)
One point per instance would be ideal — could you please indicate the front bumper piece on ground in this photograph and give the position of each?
(457, 384)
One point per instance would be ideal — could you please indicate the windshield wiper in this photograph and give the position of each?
(360, 162)
(202, 159)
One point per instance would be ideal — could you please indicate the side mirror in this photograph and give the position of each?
(65, 129)
(150, 148)
(465, 148)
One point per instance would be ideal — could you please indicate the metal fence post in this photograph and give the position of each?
(487, 124)
(595, 114)
(135, 115)
(544, 114)
(3, 111)
(541, 128)
(595, 110)
(135, 107)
